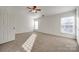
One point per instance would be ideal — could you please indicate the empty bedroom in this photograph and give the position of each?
(39, 29)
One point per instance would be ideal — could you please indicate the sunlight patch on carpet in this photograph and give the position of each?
(29, 43)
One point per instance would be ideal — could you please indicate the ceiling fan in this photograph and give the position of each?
(34, 9)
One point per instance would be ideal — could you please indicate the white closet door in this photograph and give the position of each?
(1, 27)
(8, 24)
(77, 24)
(5, 28)
(11, 24)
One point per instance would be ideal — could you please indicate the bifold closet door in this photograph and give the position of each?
(11, 24)
(77, 24)
(8, 25)
(1, 27)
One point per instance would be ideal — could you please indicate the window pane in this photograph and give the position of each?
(68, 25)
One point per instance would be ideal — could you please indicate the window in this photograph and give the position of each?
(68, 25)
(36, 24)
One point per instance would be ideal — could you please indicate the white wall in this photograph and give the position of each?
(51, 24)
(24, 23)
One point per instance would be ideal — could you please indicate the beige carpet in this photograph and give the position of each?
(43, 43)
(52, 43)
(16, 45)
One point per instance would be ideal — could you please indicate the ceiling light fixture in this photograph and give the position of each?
(34, 9)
